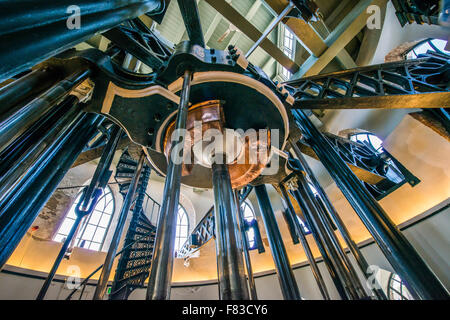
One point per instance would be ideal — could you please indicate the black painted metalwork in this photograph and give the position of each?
(191, 17)
(18, 122)
(286, 277)
(421, 281)
(100, 290)
(87, 202)
(18, 212)
(328, 206)
(338, 257)
(423, 11)
(134, 263)
(32, 42)
(299, 230)
(230, 264)
(338, 282)
(420, 83)
(245, 247)
(380, 173)
(160, 278)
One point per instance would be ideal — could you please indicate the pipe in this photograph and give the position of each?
(419, 278)
(52, 28)
(230, 264)
(286, 277)
(19, 211)
(301, 233)
(90, 195)
(17, 123)
(100, 290)
(245, 249)
(162, 263)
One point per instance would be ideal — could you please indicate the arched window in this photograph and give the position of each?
(182, 228)
(249, 215)
(288, 47)
(397, 289)
(368, 139)
(94, 227)
(435, 45)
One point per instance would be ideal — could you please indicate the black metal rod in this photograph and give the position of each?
(162, 262)
(361, 261)
(25, 151)
(230, 264)
(18, 212)
(86, 198)
(25, 88)
(245, 249)
(103, 165)
(47, 32)
(17, 123)
(327, 238)
(62, 252)
(301, 233)
(418, 277)
(286, 277)
(340, 287)
(100, 290)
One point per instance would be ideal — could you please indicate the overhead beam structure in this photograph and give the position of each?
(232, 15)
(346, 30)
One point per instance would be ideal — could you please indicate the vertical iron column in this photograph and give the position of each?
(100, 290)
(329, 238)
(286, 277)
(362, 263)
(159, 283)
(340, 287)
(418, 277)
(18, 212)
(248, 262)
(90, 196)
(312, 261)
(230, 264)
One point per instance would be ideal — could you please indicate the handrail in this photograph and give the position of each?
(101, 266)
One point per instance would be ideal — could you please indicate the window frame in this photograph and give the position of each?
(86, 221)
(178, 243)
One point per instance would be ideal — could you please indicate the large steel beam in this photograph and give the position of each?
(288, 284)
(253, 33)
(159, 283)
(35, 30)
(419, 278)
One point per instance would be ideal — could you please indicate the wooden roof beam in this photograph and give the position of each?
(232, 15)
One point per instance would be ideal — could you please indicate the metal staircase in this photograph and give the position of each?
(134, 263)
